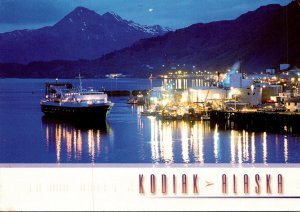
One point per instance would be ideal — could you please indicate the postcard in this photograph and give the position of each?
(149, 105)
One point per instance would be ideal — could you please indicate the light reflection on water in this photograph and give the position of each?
(170, 141)
(265, 147)
(253, 153)
(196, 142)
(71, 139)
(194, 138)
(166, 142)
(216, 144)
(286, 150)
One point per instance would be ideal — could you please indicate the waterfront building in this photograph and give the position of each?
(242, 89)
(157, 92)
(282, 97)
(293, 105)
(236, 80)
(269, 91)
(202, 94)
(270, 71)
(247, 95)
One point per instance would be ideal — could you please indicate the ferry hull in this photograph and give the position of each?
(95, 112)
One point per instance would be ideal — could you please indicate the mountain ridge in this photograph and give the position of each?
(81, 34)
(257, 38)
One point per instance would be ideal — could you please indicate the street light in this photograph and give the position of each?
(235, 93)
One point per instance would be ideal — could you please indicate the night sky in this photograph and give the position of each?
(32, 14)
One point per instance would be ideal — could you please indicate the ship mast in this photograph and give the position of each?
(80, 83)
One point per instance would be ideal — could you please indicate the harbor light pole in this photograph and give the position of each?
(235, 95)
(235, 101)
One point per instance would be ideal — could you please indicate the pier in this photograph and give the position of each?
(257, 121)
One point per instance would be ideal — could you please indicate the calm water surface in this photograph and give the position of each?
(26, 136)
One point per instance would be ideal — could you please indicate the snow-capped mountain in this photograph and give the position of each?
(82, 34)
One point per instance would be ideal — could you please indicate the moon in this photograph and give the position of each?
(150, 9)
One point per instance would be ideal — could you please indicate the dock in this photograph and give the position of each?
(126, 92)
(257, 121)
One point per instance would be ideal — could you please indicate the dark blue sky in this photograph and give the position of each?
(31, 14)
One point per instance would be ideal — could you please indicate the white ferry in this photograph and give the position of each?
(62, 99)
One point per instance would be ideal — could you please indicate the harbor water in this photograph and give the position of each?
(26, 136)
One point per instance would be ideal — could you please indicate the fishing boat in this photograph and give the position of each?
(63, 100)
(139, 100)
(131, 99)
(148, 112)
(205, 117)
